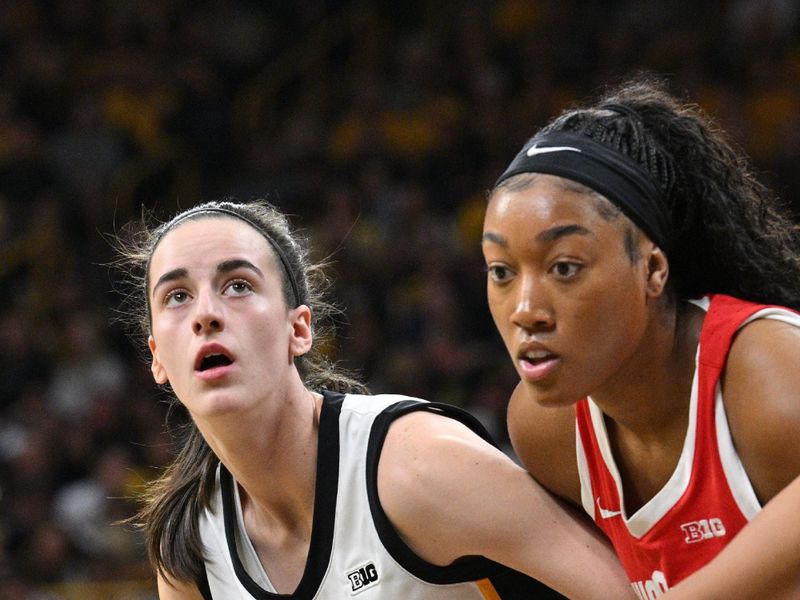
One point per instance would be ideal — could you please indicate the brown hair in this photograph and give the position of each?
(173, 502)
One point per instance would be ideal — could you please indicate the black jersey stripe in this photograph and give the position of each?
(203, 587)
(322, 528)
(509, 584)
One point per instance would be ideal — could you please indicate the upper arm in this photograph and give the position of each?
(760, 562)
(544, 440)
(451, 494)
(427, 461)
(761, 387)
(177, 590)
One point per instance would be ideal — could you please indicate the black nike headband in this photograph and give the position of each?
(601, 168)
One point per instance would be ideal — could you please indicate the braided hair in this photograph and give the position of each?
(730, 234)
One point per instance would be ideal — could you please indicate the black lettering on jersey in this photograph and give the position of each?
(362, 577)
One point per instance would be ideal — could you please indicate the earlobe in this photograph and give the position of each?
(301, 335)
(156, 368)
(657, 271)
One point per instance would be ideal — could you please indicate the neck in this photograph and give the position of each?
(272, 452)
(651, 392)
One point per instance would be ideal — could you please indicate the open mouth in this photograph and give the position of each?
(211, 361)
(537, 357)
(536, 364)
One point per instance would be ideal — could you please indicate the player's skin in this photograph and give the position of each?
(561, 283)
(754, 565)
(215, 287)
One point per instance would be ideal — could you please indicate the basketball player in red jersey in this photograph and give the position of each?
(645, 286)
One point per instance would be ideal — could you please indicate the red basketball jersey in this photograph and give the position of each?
(708, 498)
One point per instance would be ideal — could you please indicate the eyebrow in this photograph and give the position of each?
(494, 237)
(554, 233)
(226, 266)
(170, 276)
(546, 236)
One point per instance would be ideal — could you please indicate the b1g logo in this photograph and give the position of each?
(704, 529)
(362, 577)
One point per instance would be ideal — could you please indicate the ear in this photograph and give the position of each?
(156, 368)
(301, 336)
(657, 271)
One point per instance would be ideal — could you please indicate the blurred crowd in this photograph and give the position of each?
(378, 125)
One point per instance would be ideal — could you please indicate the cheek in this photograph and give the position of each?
(612, 325)
(165, 355)
(494, 306)
(500, 309)
(609, 305)
(168, 343)
(267, 332)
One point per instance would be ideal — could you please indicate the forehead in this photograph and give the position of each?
(543, 202)
(205, 241)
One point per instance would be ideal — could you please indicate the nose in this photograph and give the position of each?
(207, 313)
(532, 307)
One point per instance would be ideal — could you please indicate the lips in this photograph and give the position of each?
(536, 361)
(212, 356)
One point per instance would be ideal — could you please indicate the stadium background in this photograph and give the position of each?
(379, 126)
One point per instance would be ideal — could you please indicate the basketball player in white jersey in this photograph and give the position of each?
(293, 484)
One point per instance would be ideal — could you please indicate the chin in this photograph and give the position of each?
(217, 405)
(550, 396)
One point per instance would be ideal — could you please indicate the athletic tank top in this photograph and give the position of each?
(354, 552)
(708, 498)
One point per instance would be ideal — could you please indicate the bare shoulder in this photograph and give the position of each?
(422, 451)
(544, 440)
(433, 474)
(765, 343)
(761, 391)
(450, 494)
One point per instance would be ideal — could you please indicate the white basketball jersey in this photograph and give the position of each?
(354, 550)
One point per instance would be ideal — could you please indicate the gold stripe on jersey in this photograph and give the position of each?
(487, 589)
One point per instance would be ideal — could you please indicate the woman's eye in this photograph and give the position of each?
(175, 297)
(498, 273)
(565, 270)
(238, 288)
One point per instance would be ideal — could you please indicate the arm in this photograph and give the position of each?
(450, 494)
(544, 440)
(762, 561)
(172, 590)
(761, 389)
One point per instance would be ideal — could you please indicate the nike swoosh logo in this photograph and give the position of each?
(605, 513)
(533, 150)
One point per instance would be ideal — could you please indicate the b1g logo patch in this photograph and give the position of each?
(363, 577)
(704, 529)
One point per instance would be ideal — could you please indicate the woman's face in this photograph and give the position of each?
(221, 332)
(567, 298)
